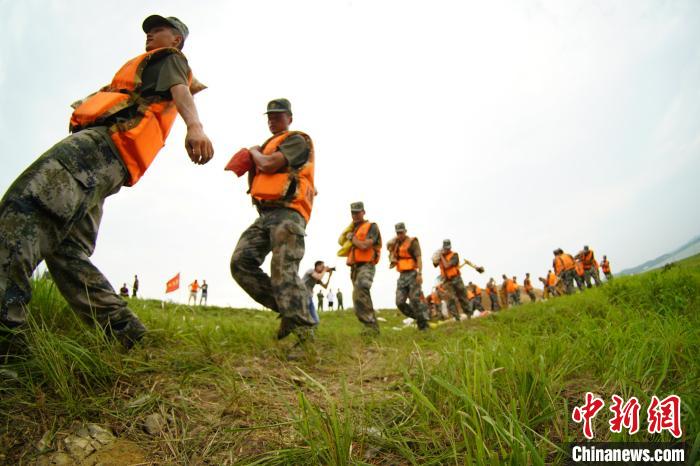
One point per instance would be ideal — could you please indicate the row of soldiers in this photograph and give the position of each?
(361, 243)
(52, 212)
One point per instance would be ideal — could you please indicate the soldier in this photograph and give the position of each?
(452, 277)
(135, 288)
(319, 297)
(552, 282)
(339, 295)
(124, 291)
(362, 258)
(590, 266)
(605, 265)
(204, 296)
(578, 276)
(476, 300)
(409, 263)
(565, 268)
(493, 294)
(527, 284)
(53, 210)
(509, 288)
(282, 189)
(516, 290)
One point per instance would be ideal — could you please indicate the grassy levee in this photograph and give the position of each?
(497, 390)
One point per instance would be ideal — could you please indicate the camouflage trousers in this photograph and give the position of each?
(280, 232)
(591, 273)
(408, 289)
(608, 276)
(52, 212)
(532, 296)
(362, 276)
(495, 305)
(476, 304)
(567, 277)
(458, 292)
(579, 281)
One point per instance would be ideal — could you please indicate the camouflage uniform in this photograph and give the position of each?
(567, 277)
(280, 231)
(362, 276)
(493, 296)
(52, 212)
(591, 273)
(458, 292)
(407, 288)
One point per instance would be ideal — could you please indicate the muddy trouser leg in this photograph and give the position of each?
(478, 305)
(459, 291)
(579, 281)
(85, 288)
(495, 306)
(402, 289)
(596, 277)
(280, 231)
(419, 308)
(608, 276)
(569, 280)
(587, 278)
(252, 248)
(362, 276)
(42, 207)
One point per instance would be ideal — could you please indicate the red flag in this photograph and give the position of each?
(173, 284)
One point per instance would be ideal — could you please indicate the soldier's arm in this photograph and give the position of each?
(197, 144)
(294, 151)
(367, 242)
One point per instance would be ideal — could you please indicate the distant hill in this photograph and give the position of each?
(691, 248)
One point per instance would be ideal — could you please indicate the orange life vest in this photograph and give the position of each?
(510, 286)
(563, 262)
(470, 294)
(194, 287)
(605, 265)
(405, 259)
(477, 291)
(492, 289)
(362, 256)
(579, 268)
(527, 284)
(290, 187)
(450, 271)
(551, 279)
(587, 259)
(140, 138)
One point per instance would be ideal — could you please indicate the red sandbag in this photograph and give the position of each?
(240, 163)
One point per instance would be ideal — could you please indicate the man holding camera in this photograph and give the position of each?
(314, 277)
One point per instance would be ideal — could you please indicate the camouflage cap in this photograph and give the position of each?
(446, 244)
(158, 20)
(400, 227)
(357, 207)
(279, 106)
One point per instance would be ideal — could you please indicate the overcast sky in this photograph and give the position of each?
(510, 127)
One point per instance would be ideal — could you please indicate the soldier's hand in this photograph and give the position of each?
(198, 145)
(349, 236)
(419, 279)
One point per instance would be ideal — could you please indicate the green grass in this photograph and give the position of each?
(498, 390)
